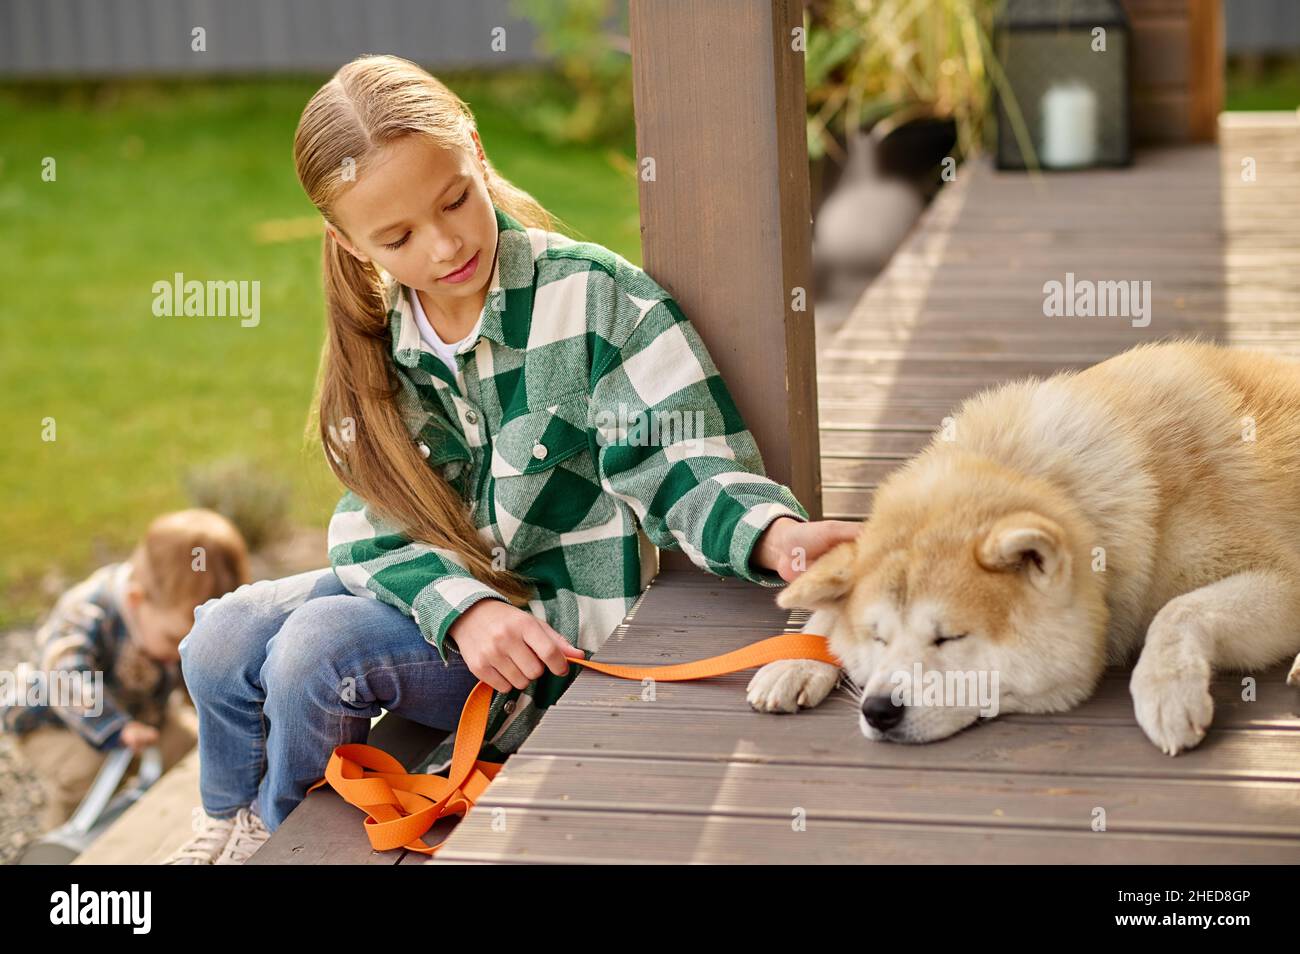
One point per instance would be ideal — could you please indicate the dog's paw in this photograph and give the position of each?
(789, 685)
(1171, 699)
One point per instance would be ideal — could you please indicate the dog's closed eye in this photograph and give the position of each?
(940, 640)
(870, 630)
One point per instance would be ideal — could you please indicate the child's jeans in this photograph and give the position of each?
(282, 671)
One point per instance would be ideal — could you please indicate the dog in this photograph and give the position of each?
(1148, 505)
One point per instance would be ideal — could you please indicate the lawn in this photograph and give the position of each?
(154, 178)
(1274, 86)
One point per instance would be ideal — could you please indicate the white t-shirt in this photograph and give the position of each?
(447, 352)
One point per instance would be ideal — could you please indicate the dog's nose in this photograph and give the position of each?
(882, 713)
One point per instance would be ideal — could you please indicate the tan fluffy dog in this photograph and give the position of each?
(1151, 502)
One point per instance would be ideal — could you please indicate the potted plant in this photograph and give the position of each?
(918, 73)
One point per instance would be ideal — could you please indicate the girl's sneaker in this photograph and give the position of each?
(207, 844)
(248, 835)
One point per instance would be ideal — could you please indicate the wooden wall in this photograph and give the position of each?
(1177, 69)
(75, 38)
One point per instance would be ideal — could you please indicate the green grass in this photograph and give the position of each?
(1272, 87)
(155, 178)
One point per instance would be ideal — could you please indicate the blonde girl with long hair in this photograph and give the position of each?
(518, 419)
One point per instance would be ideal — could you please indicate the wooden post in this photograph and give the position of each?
(725, 220)
(1177, 84)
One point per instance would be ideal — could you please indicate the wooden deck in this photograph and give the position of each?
(960, 305)
(696, 776)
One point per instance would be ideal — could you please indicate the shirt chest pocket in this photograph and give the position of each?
(545, 478)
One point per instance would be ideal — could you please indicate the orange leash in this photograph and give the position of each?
(401, 807)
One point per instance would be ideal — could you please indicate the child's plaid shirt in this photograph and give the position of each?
(87, 632)
(587, 425)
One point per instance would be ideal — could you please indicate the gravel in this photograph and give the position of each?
(21, 796)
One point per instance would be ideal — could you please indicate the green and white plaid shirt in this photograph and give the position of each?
(586, 425)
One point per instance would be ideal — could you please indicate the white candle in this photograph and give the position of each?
(1069, 112)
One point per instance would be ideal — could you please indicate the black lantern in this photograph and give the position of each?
(1066, 63)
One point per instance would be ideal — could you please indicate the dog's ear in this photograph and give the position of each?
(824, 584)
(1030, 543)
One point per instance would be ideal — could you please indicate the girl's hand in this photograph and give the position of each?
(788, 543)
(138, 736)
(506, 646)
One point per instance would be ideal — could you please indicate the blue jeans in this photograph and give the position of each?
(282, 671)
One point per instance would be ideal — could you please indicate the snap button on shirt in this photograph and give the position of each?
(471, 417)
(539, 451)
(424, 449)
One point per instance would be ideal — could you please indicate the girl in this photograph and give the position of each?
(519, 420)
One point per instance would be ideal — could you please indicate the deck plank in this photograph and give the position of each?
(546, 836)
(846, 793)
